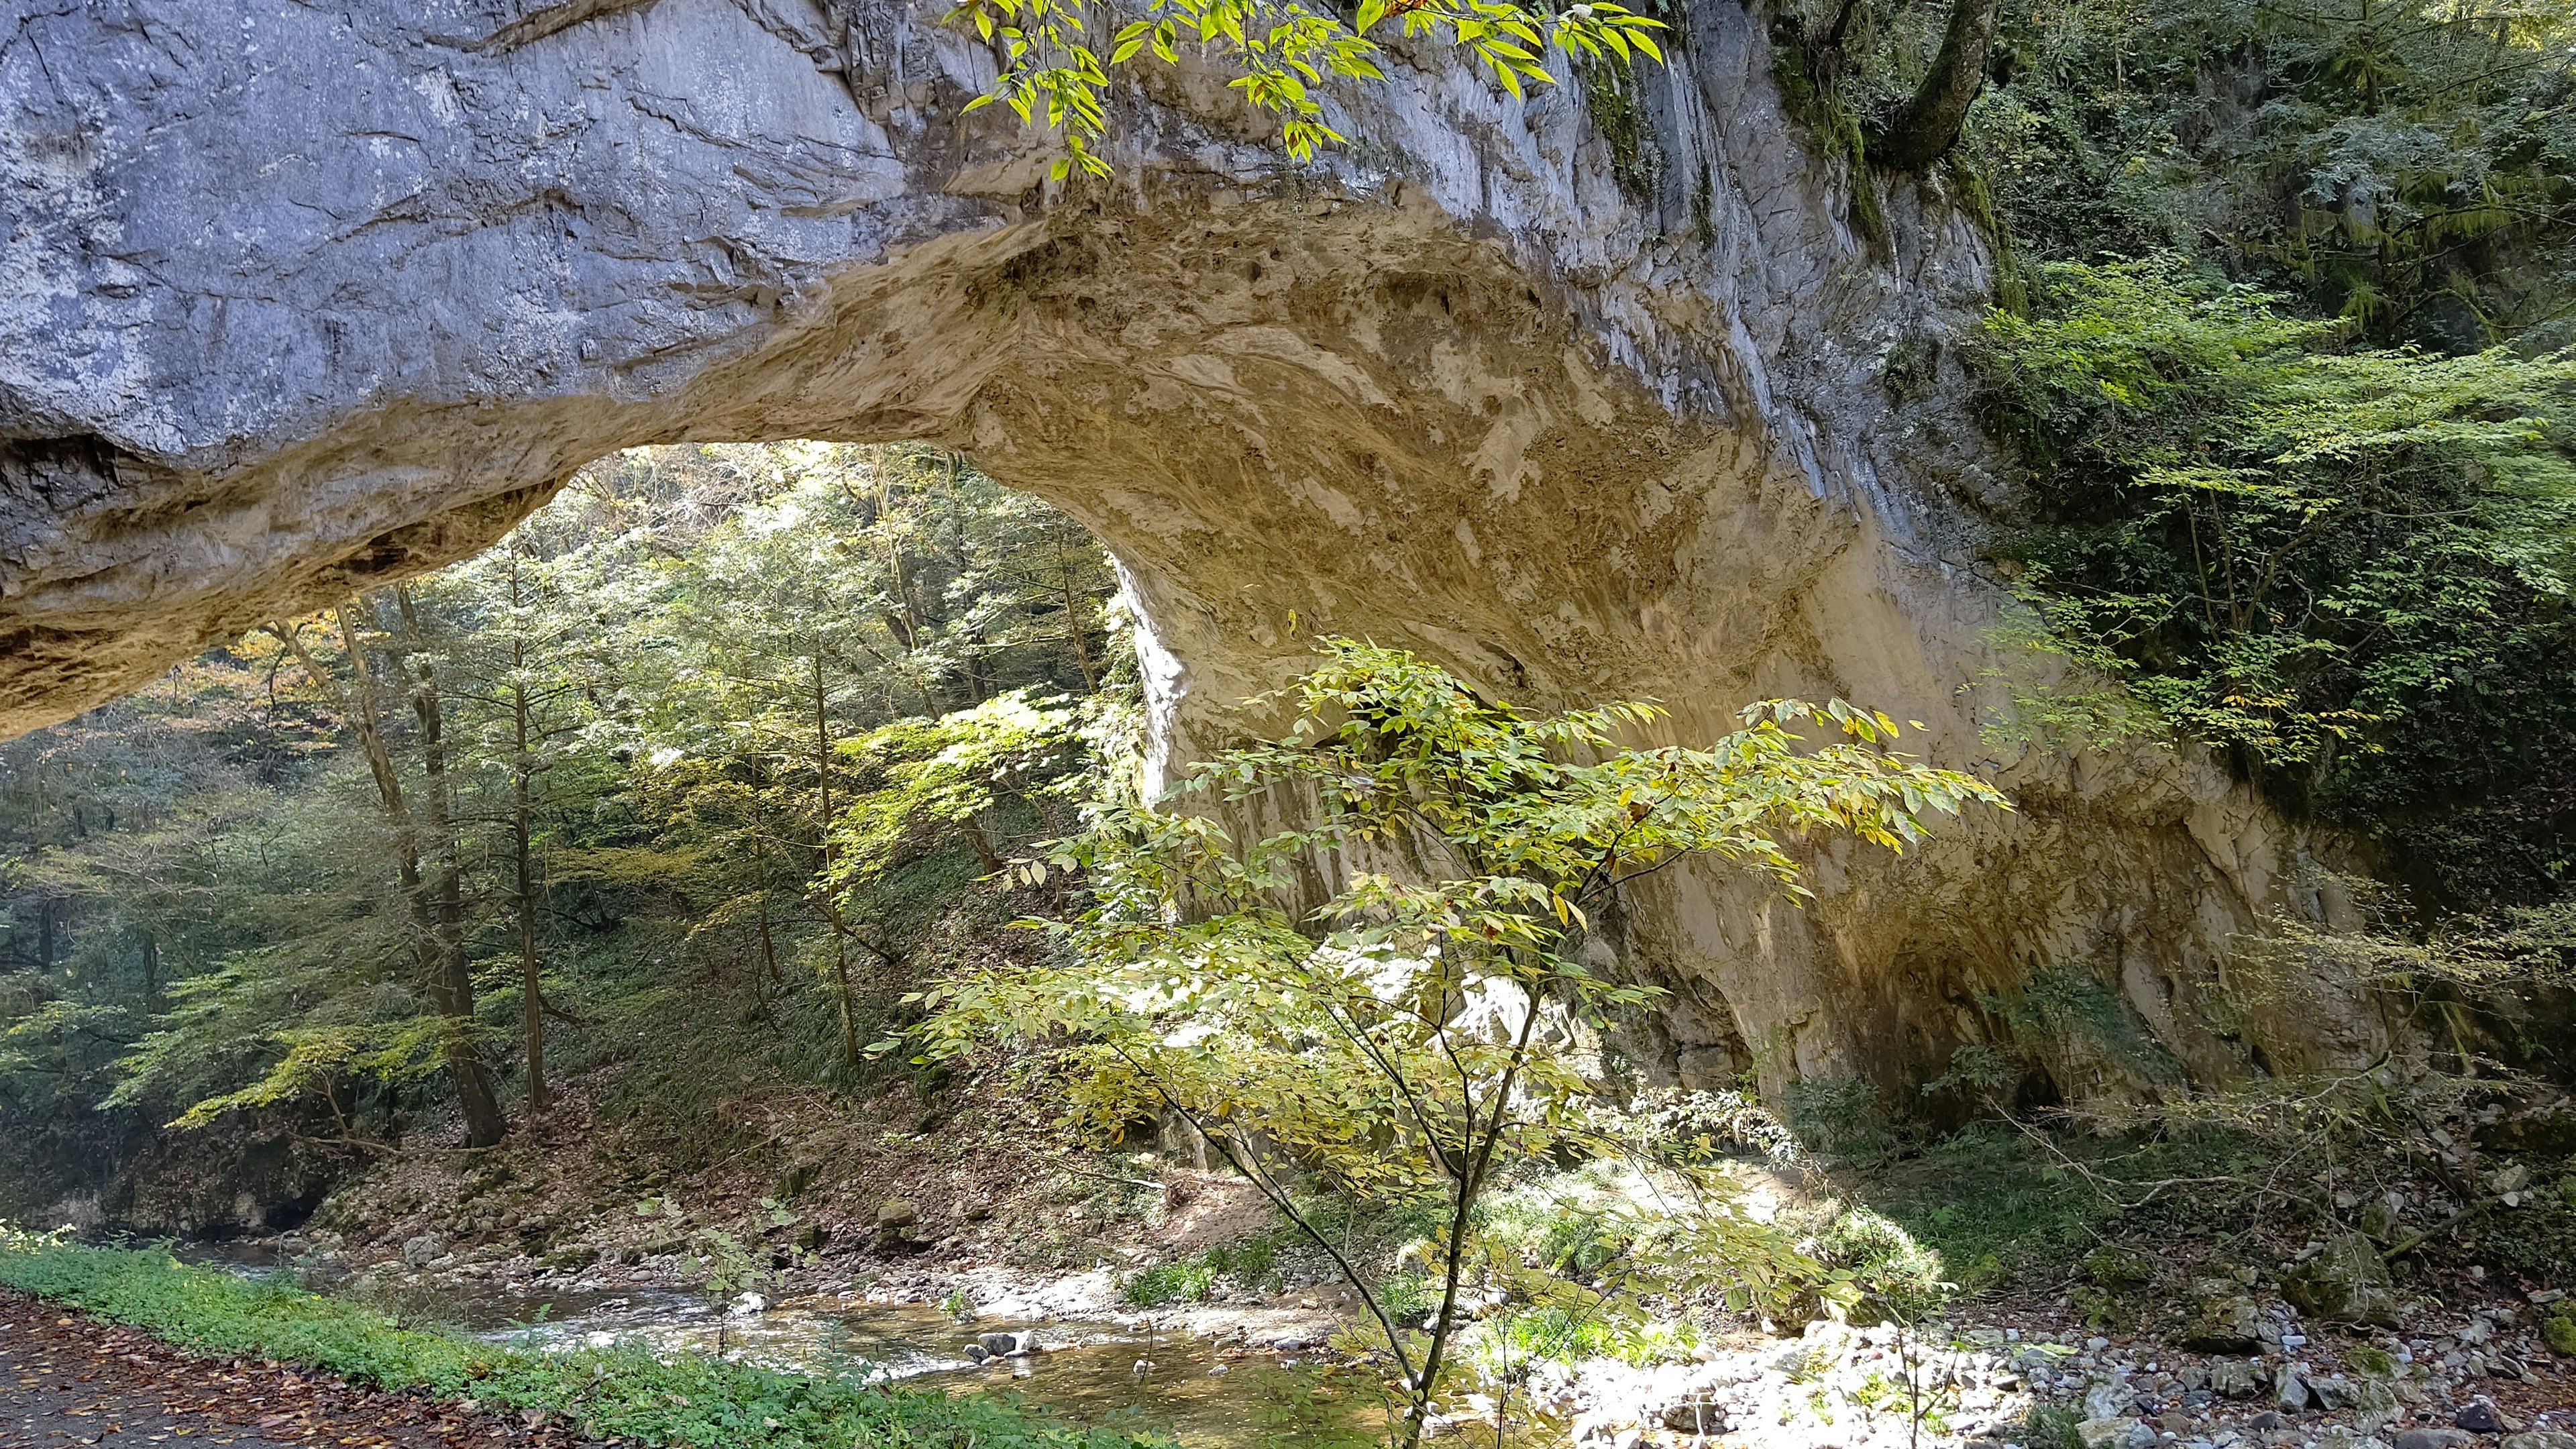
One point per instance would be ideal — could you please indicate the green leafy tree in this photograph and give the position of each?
(1280, 52)
(1421, 1029)
(2348, 567)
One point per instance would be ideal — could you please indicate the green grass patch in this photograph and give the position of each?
(1999, 1211)
(679, 1399)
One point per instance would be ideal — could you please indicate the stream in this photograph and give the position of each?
(1095, 1373)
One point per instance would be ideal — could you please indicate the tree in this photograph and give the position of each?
(1929, 124)
(1419, 1032)
(1281, 53)
(434, 902)
(2344, 567)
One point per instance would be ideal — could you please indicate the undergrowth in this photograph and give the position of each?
(623, 1391)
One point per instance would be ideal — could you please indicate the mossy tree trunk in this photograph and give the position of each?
(1928, 126)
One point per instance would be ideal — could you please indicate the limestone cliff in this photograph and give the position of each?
(294, 299)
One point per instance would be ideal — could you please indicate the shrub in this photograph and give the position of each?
(1897, 1276)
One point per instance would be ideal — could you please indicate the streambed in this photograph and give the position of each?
(1205, 1393)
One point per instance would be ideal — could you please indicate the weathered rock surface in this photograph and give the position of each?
(2346, 1283)
(294, 299)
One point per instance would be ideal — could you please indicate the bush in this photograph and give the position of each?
(685, 1399)
(1897, 1276)
(1185, 1281)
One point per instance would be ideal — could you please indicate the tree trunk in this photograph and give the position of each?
(1928, 127)
(532, 1000)
(831, 888)
(473, 1084)
(452, 987)
(1073, 632)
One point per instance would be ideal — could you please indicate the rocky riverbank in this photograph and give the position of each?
(2250, 1368)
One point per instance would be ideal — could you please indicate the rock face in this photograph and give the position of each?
(295, 299)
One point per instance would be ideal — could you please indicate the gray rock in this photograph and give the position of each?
(2481, 1416)
(2109, 1399)
(2432, 1439)
(2115, 1433)
(2538, 1439)
(2223, 1318)
(2346, 1283)
(2291, 1390)
(2236, 1378)
(895, 1217)
(1694, 1416)
(422, 1251)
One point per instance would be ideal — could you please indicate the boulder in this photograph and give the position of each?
(2109, 1399)
(2236, 1378)
(1694, 1416)
(2291, 1391)
(2346, 1283)
(421, 1251)
(2222, 1318)
(2481, 1416)
(2115, 1433)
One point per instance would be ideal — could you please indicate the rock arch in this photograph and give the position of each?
(298, 298)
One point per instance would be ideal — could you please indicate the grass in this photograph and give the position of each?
(682, 1399)
(1250, 1265)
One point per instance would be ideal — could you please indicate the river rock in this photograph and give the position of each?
(2346, 1283)
(2432, 1439)
(2481, 1416)
(2538, 1439)
(1694, 1416)
(2236, 1378)
(2224, 1318)
(421, 1251)
(2116, 1433)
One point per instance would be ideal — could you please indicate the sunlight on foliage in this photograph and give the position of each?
(1412, 1033)
(1281, 54)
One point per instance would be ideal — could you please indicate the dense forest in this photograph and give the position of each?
(693, 764)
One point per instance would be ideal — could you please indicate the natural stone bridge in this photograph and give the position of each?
(296, 299)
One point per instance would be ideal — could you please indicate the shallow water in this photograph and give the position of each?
(1091, 1373)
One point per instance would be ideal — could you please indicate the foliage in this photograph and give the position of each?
(626, 1391)
(1897, 1276)
(2348, 568)
(1281, 54)
(1423, 1027)
(707, 717)
(2407, 165)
